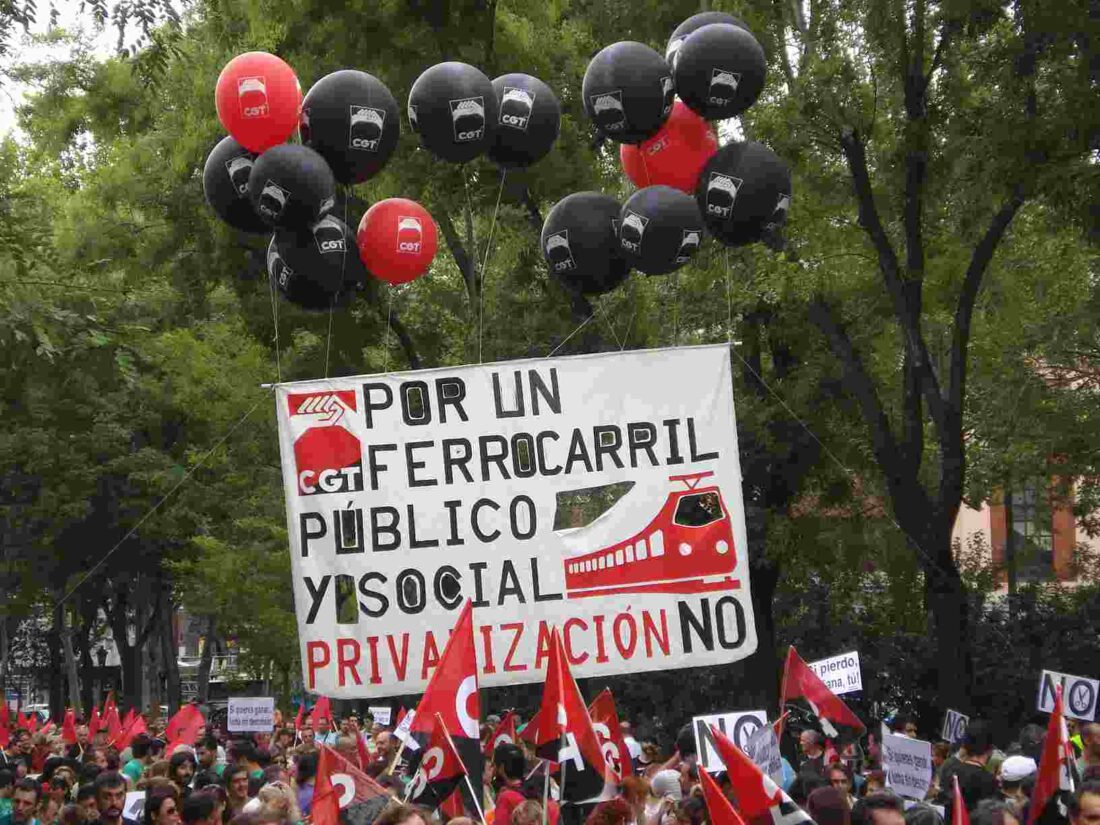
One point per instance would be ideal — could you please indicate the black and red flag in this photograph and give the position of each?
(1056, 779)
(441, 771)
(759, 799)
(566, 736)
(959, 814)
(340, 786)
(504, 733)
(452, 694)
(605, 721)
(721, 810)
(800, 682)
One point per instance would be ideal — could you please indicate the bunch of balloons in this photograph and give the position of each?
(657, 108)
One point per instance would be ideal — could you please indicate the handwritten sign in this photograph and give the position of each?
(251, 714)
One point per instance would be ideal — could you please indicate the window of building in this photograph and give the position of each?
(1032, 537)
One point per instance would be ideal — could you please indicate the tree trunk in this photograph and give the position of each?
(169, 650)
(54, 679)
(70, 658)
(949, 611)
(206, 660)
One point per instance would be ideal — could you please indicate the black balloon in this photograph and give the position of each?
(660, 229)
(310, 283)
(225, 183)
(453, 109)
(696, 21)
(351, 119)
(291, 186)
(744, 191)
(325, 253)
(720, 71)
(628, 91)
(580, 244)
(529, 120)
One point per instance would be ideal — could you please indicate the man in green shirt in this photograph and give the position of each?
(139, 751)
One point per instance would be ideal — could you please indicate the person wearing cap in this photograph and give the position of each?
(631, 743)
(1017, 778)
(666, 795)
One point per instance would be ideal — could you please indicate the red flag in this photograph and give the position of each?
(441, 768)
(799, 682)
(452, 806)
(95, 724)
(339, 784)
(5, 724)
(112, 722)
(298, 718)
(759, 799)
(32, 722)
(22, 721)
(721, 810)
(505, 733)
(183, 728)
(605, 721)
(49, 726)
(132, 725)
(1056, 765)
(565, 733)
(530, 732)
(831, 755)
(400, 717)
(361, 748)
(959, 814)
(321, 715)
(68, 727)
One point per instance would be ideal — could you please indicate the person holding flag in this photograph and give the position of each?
(1057, 777)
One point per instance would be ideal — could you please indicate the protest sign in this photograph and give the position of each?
(908, 765)
(381, 715)
(251, 714)
(133, 808)
(599, 494)
(954, 726)
(841, 674)
(1079, 694)
(738, 726)
(402, 732)
(763, 749)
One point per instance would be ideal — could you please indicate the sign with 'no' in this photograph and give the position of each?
(1079, 694)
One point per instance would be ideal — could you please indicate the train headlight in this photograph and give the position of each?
(685, 549)
(722, 547)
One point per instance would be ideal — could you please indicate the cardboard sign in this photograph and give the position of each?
(381, 715)
(251, 714)
(1079, 694)
(908, 765)
(954, 726)
(763, 749)
(599, 494)
(840, 673)
(133, 808)
(738, 726)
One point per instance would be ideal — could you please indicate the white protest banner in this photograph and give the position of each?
(1079, 694)
(402, 731)
(381, 715)
(840, 673)
(251, 714)
(954, 726)
(908, 765)
(739, 726)
(599, 494)
(763, 749)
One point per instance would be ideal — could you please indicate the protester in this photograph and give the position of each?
(994, 812)
(408, 815)
(812, 745)
(636, 791)
(879, 809)
(840, 777)
(110, 797)
(1090, 747)
(162, 806)
(510, 768)
(236, 787)
(181, 770)
(141, 757)
(631, 743)
(198, 809)
(1016, 777)
(975, 782)
(529, 812)
(1084, 808)
(278, 803)
(221, 802)
(611, 812)
(829, 806)
(307, 771)
(24, 802)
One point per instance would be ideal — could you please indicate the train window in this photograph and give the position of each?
(698, 509)
(657, 543)
(579, 508)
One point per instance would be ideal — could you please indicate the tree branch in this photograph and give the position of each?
(458, 250)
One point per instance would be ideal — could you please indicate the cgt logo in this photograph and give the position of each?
(515, 107)
(273, 199)
(723, 87)
(409, 234)
(252, 97)
(689, 245)
(239, 168)
(365, 126)
(558, 252)
(328, 233)
(468, 118)
(633, 228)
(277, 267)
(327, 456)
(608, 112)
(721, 193)
(658, 145)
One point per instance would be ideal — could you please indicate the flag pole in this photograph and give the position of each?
(397, 757)
(477, 804)
(545, 792)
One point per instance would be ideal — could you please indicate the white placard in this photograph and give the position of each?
(954, 726)
(381, 715)
(402, 731)
(841, 674)
(1079, 694)
(253, 714)
(134, 807)
(908, 765)
(737, 725)
(599, 494)
(763, 749)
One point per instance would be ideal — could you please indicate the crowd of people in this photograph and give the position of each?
(269, 780)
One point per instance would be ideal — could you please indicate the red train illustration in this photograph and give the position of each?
(686, 548)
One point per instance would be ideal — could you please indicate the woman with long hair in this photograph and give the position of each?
(162, 805)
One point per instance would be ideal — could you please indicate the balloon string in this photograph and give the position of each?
(485, 266)
(275, 323)
(389, 321)
(328, 339)
(729, 298)
(343, 269)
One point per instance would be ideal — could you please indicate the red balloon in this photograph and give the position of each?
(259, 99)
(397, 240)
(675, 155)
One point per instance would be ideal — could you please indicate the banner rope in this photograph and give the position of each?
(485, 264)
(275, 323)
(186, 477)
